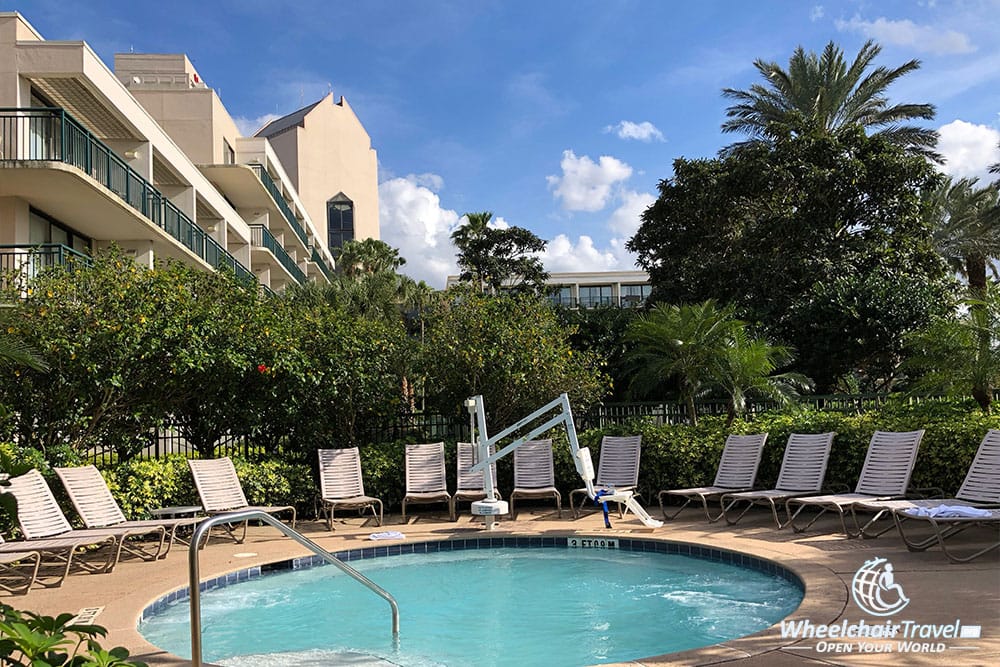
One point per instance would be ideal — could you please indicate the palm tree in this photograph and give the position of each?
(748, 370)
(474, 227)
(965, 223)
(960, 356)
(822, 93)
(687, 344)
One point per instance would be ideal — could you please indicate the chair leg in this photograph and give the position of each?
(659, 498)
(802, 506)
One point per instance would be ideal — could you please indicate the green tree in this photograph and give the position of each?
(504, 259)
(601, 331)
(99, 330)
(823, 93)
(960, 355)
(367, 256)
(749, 370)
(765, 228)
(509, 348)
(965, 221)
(686, 345)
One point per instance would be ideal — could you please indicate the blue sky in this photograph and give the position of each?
(558, 116)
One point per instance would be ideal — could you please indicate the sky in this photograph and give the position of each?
(558, 116)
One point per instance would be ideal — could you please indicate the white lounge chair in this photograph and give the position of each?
(737, 472)
(980, 492)
(93, 501)
(617, 468)
(884, 476)
(18, 564)
(46, 528)
(534, 474)
(425, 476)
(220, 491)
(341, 483)
(803, 468)
(470, 484)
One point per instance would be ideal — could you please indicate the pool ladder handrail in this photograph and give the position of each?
(194, 577)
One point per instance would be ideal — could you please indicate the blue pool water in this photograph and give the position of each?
(501, 606)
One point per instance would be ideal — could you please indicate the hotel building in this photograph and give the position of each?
(148, 158)
(625, 289)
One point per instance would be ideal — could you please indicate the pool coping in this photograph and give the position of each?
(824, 595)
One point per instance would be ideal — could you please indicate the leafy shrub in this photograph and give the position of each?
(140, 486)
(32, 640)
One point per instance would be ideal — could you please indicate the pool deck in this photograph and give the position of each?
(940, 592)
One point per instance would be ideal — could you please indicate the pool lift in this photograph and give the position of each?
(491, 507)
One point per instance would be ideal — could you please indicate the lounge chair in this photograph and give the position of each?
(803, 468)
(737, 472)
(220, 491)
(46, 528)
(470, 484)
(341, 485)
(980, 493)
(97, 508)
(884, 476)
(425, 476)
(618, 468)
(534, 474)
(18, 563)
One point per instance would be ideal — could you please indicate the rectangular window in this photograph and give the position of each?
(339, 222)
(228, 154)
(592, 296)
(634, 296)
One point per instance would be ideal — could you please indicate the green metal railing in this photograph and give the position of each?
(31, 259)
(262, 237)
(275, 192)
(51, 134)
(318, 259)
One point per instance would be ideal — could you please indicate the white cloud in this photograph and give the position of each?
(625, 220)
(644, 131)
(586, 185)
(247, 126)
(563, 256)
(969, 150)
(412, 219)
(816, 14)
(907, 33)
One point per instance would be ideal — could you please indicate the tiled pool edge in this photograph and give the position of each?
(730, 556)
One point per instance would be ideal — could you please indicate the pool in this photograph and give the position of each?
(484, 601)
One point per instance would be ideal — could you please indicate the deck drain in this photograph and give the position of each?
(86, 616)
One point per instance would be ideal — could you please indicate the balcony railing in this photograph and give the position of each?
(627, 301)
(30, 260)
(275, 192)
(53, 135)
(318, 259)
(261, 237)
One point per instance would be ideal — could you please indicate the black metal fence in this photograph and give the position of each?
(431, 427)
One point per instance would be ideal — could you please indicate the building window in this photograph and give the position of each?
(634, 296)
(44, 229)
(228, 154)
(595, 295)
(562, 296)
(339, 221)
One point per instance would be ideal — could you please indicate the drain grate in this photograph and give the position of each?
(86, 616)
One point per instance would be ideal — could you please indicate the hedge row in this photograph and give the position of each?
(673, 456)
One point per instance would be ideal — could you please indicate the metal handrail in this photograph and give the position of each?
(194, 578)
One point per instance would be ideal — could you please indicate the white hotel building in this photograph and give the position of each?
(147, 157)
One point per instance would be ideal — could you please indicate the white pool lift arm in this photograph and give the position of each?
(491, 507)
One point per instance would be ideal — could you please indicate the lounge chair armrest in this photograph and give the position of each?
(926, 492)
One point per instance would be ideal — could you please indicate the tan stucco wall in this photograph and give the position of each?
(334, 154)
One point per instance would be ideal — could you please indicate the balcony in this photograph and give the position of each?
(52, 135)
(275, 192)
(626, 301)
(318, 260)
(30, 260)
(261, 237)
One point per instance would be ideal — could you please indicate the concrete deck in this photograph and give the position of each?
(940, 592)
